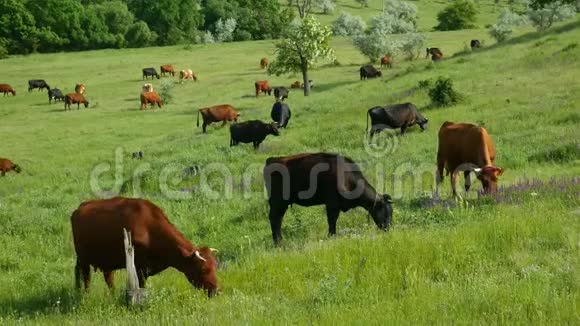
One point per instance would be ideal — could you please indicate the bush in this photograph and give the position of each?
(402, 10)
(542, 18)
(375, 45)
(224, 30)
(139, 35)
(443, 94)
(348, 25)
(412, 45)
(325, 6)
(166, 91)
(3, 52)
(461, 14)
(363, 3)
(207, 38)
(501, 30)
(388, 23)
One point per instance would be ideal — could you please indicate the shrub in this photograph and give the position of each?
(348, 25)
(402, 10)
(166, 91)
(424, 83)
(325, 6)
(542, 18)
(3, 52)
(501, 30)
(207, 38)
(363, 3)
(460, 14)
(412, 45)
(139, 35)
(375, 45)
(443, 94)
(224, 30)
(388, 23)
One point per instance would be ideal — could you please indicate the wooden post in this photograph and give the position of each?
(133, 294)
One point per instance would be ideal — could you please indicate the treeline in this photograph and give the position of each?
(68, 25)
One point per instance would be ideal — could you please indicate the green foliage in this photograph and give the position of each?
(363, 3)
(560, 154)
(375, 45)
(443, 93)
(461, 14)
(502, 30)
(139, 35)
(413, 45)
(224, 30)
(325, 6)
(348, 25)
(545, 16)
(166, 91)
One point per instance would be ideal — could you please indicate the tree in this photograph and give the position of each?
(303, 47)
(543, 17)
(375, 45)
(402, 10)
(348, 25)
(461, 14)
(304, 7)
(139, 35)
(538, 4)
(325, 6)
(363, 3)
(412, 45)
(224, 30)
(501, 30)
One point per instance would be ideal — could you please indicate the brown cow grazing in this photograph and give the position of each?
(80, 89)
(187, 74)
(147, 88)
(97, 228)
(466, 148)
(264, 63)
(167, 69)
(262, 86)
(387, 61)
(5, 88)
(75, 98)
(224, 112)
(435, 53)
(295, 84)
(6, 166)
(150, 98)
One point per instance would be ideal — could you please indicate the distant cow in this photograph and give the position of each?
(394, 116)
(137, 155)
(55, 95)
(387, 61)
(150, 98)
(321, 179)
(475, 44)
(295, 84)
(281, 114)
(37, 83)
(435, 53)
(264, 63)
(97, 228)
(224, 112)
(167, 69)
(466, 148)
(6, 166)
(150, 72)
(368, 71)
(80, 89)
(147, 88)
(75, 98)
(280, 93)
(253, 131)
(5, 88)
(262, 86)
(187, 74)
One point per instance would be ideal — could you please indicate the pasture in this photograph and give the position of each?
(476, 262)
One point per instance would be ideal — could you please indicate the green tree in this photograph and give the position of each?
(64, 18)
(139, 35)
(461, 14)
(17, 27)
(304, 46)
(544, 17)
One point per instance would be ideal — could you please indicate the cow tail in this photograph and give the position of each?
(368, 116)
(198, 118)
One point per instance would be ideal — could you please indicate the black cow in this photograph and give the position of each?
(150, 72)
(55, 94)
(321, 179)
(433, 52)
(281, 114)
(281, 93)
(253, 131)
(368, 71)
(395, 116)
(475, 44)
(37, 83)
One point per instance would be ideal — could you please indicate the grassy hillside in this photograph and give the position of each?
(482, 262)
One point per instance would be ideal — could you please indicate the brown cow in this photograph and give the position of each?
(466, 148)
(80, 89)
(150, 98)
(264, 63)
(5, 88)
(97, 228)
(167, 69)
(75, 98)
(262, 86)
(387, 61)
(187, 74)
(6, 166)
(295, 84)
(224, 112)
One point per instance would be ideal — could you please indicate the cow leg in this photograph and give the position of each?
(467, 176)
(203, 127)
(332, 216)
(403, 129)
(454, 184)
(276, 216)
(82, 271)
(109, 279)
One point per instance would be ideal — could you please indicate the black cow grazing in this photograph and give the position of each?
(137, 155)
(37, 83)
(321, 179)
(368, 71)
(281, 93)
(394, 116)
(433, 52)
(55, 95)
(475, 44)
(150, 72)
(281, 114)
(253, 131)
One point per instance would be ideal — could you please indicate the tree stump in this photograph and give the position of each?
(134, 295)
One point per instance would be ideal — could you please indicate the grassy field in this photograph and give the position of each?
(514, 262)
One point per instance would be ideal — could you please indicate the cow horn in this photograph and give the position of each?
(213, 250)
(199, 256)
(477, 170)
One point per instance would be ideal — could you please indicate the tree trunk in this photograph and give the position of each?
(134, 296)
(305, 82)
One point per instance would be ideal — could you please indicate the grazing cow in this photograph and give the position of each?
(434, 52)
(150, 98)
(253, 131)
(37, 83)
(147, 88)
(280, 93)
(368, 71)
(475, 44)
(137, 155)
(150, 72)
(75, 98)
(224, 112)
(394, 116)
(387, 61)
(5, 88)
(466, 148)
(281, 114)
(55, 95)
(6, 166)
(187, 74)
(295, 84)
(262, 86)
(80, 89)
(436, 57)
(264, 63)
(167, 69)
(97, 228)
(321, 179)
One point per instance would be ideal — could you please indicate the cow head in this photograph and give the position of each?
(488, 176)
(86, 104)
(272, 129)
(201, 268)
(16, 168)
(382, 211)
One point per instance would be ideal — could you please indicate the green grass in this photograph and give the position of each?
(510, 263)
